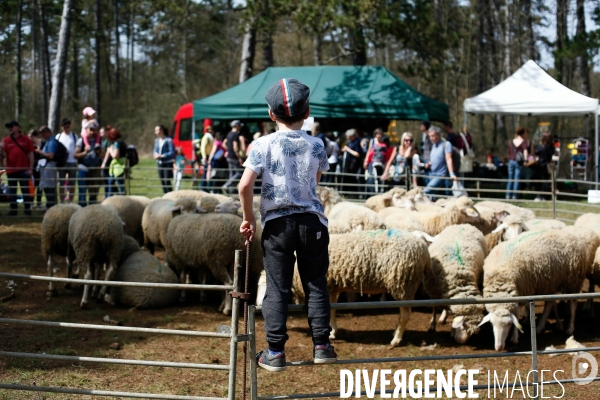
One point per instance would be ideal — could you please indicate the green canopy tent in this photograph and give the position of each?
(336, 92)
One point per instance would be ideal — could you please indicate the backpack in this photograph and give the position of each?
(61, 155)
(132, 155)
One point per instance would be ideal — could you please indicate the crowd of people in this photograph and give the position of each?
(41, 161)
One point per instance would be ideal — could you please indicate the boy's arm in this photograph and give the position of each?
(248, 227)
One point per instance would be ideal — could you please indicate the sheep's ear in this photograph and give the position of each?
(515, 321)
(524, 227)
(470, 212)
(500, 228)
(500, 215)
(175, 211)
(200, 210)
(485, 319)
(457, 322)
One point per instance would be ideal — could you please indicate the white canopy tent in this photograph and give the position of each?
(531, 91)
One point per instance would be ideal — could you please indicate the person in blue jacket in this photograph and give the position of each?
(164, 154)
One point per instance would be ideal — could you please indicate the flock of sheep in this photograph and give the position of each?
(394, 243)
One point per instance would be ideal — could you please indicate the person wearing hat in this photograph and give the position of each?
(89, 115)
(234, 159)
(47, 165)
(17, 157)
(291, 163)
(89, 159)
(69, 172)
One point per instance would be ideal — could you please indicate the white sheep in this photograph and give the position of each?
(55, 238)
(489, 219)
(329, 197)
(349, 217)
(524, 213)
(395, 197)
(131, 211)
(374, 262)
(511, 227)
(534, 263)
(589, 220)
(195, 194)
(399, 218)
(457, 256)
(96, 236)
(540, 224)
(459, 211)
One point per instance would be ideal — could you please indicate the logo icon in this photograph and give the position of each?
(584, 368)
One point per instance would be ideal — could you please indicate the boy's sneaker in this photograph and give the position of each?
(324, 354)
(273, 363)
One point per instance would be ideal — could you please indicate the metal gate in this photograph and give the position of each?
(233, 337)
(530, 300)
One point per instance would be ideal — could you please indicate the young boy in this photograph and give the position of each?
(291, 163)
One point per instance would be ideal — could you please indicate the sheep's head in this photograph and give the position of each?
(329, 197)
(403, 202)
(186, 205)
(502, 321)
(424, 236)
(228, 207)
(499, 217)
(511, 227)
(463, 326)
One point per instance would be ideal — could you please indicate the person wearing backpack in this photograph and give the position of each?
(17, 149)
(47, 165)
(518, 152)
(68, 173)
(115, 159)
(88, 169)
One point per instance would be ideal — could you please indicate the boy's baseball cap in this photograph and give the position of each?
(288, 98)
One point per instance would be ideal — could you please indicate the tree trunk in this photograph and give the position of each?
(131, 47)
(582, 41)
(75, 78)
(45, 61)
(248, 49)
(58, 79)
(18, 91)
(267, 48)
(356, 40)
(318, 52)
(506, 39)
(562, 8)
(34, 44)
(117, 48)
(532, 52)
(98, 62)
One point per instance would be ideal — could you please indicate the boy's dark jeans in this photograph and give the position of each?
(308, 237)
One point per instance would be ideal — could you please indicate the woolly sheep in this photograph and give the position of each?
(402, 220)
(195, 194)
(589, 220)
(142, 199)
(591, 241)
(511, 227)
(348, 217)
(142, 266)
(208, 242)
(393, 198)
(458, 212)
(534, 263)
(131, 211)
(512, 209)
(55, 238)
(538, 224)
(157, 216)
(457, 257)
(489, 219)
(373, 262)
(329, 197)
(96, 236)
(228, 207)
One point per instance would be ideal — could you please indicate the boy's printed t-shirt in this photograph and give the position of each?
(288, 162)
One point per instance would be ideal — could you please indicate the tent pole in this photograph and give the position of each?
(595, 152)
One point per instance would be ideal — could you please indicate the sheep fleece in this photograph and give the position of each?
(55, 229)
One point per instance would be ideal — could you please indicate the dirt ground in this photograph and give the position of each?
(366, 334)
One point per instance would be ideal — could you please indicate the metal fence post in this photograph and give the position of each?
(534, 358)
(235, 309)
(407, 179)
(252, 352)
(553, 175)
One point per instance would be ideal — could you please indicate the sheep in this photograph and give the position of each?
(589, 220)
(458, 212)
(538, 224)
(534, 263)
(489, 219)
(512, 226)
(393, 198)
(142, 266)
(402, 220)
(228, 207)
(347, 217)
(96, 236)
(195, 194)
(208, 242)
(373, 262)
(457, 257)
(55, 238)
(142, 199)
(131, 211)
(329, 197)
(157, 216)
(512, 209)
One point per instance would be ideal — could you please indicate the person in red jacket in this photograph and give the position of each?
(377, 157)
(16, 153)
